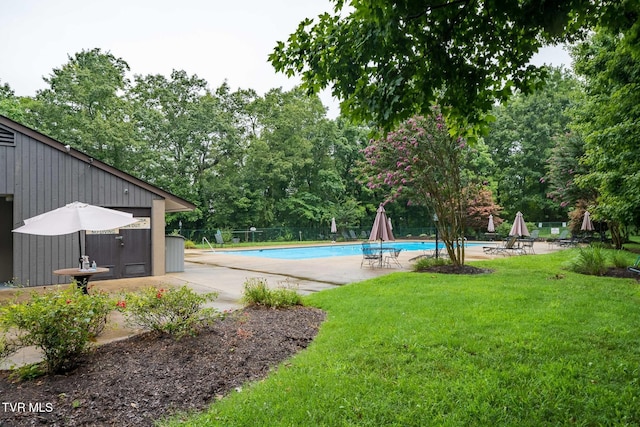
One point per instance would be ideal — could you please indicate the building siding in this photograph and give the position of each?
(44, 179)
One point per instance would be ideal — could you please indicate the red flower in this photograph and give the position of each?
(121, 304)
(68, 301)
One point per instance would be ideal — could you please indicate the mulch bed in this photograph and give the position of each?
(148, 377)
(622, 273)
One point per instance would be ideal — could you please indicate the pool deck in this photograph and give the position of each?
(226, 274)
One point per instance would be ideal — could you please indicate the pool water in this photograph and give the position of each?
(309, 252)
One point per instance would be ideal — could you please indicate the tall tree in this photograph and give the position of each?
(609, 63)
(422, 161)
(84, 107)
(189, 131)
(520, 142)
(390, 60)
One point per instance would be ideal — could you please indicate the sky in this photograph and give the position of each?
(216, 40)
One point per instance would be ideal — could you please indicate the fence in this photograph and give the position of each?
(301, 234)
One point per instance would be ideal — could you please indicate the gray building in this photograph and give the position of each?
(39, 174)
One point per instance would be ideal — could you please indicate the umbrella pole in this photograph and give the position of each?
(80, 248)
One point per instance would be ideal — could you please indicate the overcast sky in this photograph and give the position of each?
(214, 39)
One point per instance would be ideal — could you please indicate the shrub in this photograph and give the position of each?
(589, 261)
(177, 311)
(60, 322)
(188, 244)
(424, 263)
(256, 292)
(618, 259)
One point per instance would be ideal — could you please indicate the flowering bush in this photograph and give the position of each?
(177, 311)
(60, 322)
(420, 160)
(256, 292)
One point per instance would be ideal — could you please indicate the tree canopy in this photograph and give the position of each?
(390, 60)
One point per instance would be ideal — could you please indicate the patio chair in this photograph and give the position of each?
(636, 266)
(392, 258)
(353, 235)
(560, 238)
(371, 255)
(527, 246)
(219, 239)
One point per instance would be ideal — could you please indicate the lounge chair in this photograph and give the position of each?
(353, 235)
(371, 255)
(636, 266)
(534, 234)
(219, 239)
(346, 235)
(560, 238)
(507, 245)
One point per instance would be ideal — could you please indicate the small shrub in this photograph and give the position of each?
(256, 292)
(424, 263)
(589, 261)
(618, 259)
(28, 372)
(188, 244)
(60, 322)
(176, 312)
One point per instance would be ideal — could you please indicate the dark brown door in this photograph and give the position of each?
(126, 253)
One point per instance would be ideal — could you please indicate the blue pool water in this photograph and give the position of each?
(309, 252)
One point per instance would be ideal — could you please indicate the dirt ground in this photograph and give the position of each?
(147, 377)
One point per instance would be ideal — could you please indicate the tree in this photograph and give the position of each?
(390, 60)
(423, 162)
(609, 63)
(289, 165)
(520, 143)
(563, 166)
(191, 134)
(479, 209)
(84, 107)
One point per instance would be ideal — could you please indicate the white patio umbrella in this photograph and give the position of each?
(519, 228)
(334, 229)
(75, 217)
(587, 225)
(491, 228)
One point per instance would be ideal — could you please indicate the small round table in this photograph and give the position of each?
(80, 276)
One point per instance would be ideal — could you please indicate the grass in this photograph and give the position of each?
(529, 345)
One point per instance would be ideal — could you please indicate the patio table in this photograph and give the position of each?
(81, 276)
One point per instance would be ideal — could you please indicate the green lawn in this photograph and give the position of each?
(529, 345)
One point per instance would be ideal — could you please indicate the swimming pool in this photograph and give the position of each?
(309, 252)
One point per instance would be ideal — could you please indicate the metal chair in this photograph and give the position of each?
(370, 255)
(392, 258)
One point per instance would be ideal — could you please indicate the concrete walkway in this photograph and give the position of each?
(226, 274)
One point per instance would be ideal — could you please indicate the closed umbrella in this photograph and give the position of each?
(75, 217)
(587, 225)
(334, 229)
(491, 228)
(381, 229)
(519, 227)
